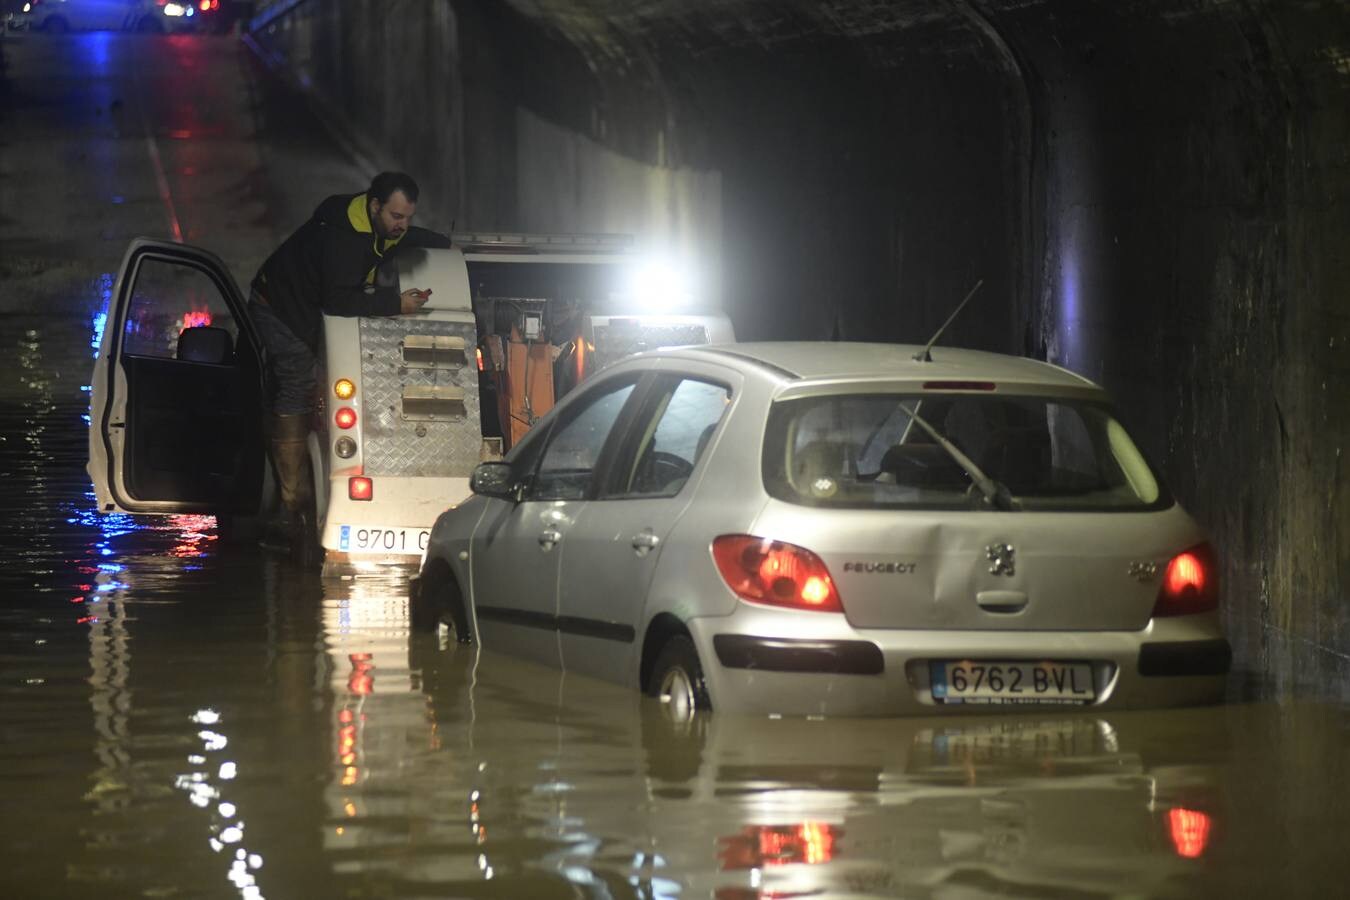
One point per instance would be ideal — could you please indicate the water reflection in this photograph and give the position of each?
(577, 786)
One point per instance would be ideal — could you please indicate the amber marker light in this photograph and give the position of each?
(344, 388)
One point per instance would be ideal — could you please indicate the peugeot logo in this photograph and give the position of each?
(1002, 559)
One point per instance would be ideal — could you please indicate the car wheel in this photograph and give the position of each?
(677, 681)
(436, 599)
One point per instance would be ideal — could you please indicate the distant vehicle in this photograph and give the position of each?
(165, 16)
(147, 16)
(409, 404)
(836, 529)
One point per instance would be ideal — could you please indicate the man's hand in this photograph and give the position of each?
(411, 300)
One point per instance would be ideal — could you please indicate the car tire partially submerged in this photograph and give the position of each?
(437, 600)
(677, 681)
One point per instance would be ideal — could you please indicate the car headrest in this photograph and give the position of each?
(205, 344)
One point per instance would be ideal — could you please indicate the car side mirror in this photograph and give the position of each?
(495, 479)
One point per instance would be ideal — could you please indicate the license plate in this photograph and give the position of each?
(1009, 681)
(376, 539)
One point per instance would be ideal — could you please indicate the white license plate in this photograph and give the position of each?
(1011, 681)
(378, 539)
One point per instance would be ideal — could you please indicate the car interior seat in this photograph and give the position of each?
(205, 344)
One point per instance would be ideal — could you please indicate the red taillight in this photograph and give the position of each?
(359, 487)
(1189, 831)
(345, 417)
(1190, 584)
(765, 571)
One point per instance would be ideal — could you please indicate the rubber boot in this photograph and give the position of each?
(290, 458)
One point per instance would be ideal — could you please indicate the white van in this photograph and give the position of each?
(409, 404)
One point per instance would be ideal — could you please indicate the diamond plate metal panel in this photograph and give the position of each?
(395, 445)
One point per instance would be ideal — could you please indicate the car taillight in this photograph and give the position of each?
(1190, 584)
(359, 487)
(345, 417)
(1189, 831)
(774, 572)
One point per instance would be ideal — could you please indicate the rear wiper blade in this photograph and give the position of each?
(996, 494)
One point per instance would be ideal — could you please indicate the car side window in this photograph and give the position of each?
(171, 299)
(573, 449)
(685, 417)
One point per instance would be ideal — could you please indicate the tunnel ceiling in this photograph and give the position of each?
(610, 32)
(613, 32)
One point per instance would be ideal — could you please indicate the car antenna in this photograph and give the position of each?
(923, 355)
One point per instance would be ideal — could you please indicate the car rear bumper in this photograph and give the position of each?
(398, 503)
(763, 662)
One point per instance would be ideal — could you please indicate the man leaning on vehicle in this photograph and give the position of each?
(327, 266)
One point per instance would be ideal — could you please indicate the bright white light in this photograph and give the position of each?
(227, 771)
(206, 717)
(173, 9)
(212, 740)
(232, 835)
(227, 810)
(254, 861)
(658, 285)
(28, 7)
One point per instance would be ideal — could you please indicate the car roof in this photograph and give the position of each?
(832, 360)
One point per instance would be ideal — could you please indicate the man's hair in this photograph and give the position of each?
(383, 185)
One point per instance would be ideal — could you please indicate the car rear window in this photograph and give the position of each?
(864, 451)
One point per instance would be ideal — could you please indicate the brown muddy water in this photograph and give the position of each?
(184, 718)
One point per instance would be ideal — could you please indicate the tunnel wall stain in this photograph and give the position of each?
(1154, 193)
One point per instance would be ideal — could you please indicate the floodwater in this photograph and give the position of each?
(184, 718)
(187, 718)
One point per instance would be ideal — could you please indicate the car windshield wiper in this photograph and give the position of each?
(996, 494)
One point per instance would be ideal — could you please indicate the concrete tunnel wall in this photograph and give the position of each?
(1154, 194)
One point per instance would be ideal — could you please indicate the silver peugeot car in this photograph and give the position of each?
(836, 529)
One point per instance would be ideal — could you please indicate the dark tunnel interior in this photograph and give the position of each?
(1153, 193)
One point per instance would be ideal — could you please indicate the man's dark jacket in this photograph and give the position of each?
(328, 266)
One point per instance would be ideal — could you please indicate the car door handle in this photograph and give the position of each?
(645, 541)
(548, 537)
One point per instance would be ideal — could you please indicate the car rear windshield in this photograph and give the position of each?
(862, 451)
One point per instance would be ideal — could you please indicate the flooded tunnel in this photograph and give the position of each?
(1152, 196)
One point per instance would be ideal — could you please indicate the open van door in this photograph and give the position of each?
(175, 419)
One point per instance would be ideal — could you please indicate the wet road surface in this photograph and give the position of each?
(187, 718)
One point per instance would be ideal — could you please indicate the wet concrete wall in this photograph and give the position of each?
(1192, 175)
(1153, 193)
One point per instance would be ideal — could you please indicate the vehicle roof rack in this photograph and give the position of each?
(516, 242)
